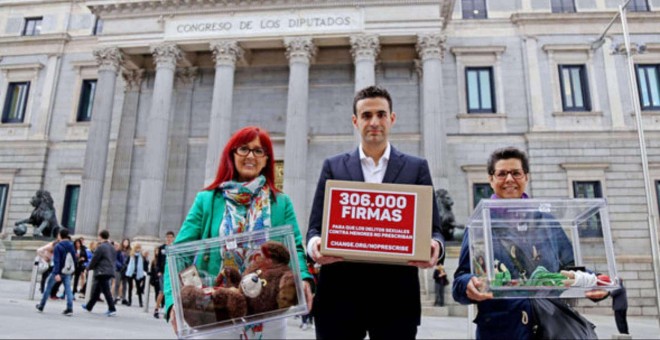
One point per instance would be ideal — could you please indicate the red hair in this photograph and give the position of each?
(227, 169)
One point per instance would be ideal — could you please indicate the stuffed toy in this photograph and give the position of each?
(278, 286)
(267, 284)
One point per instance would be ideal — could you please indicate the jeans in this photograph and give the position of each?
(66, 279)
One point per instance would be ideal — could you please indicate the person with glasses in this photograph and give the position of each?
(508, 174)
(242, 198)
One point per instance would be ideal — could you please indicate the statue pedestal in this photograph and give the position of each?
(19, 256)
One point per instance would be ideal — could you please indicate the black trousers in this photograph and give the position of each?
(102, 286)
(621, 322)
(338, 328)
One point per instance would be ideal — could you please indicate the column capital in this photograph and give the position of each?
(109, 58)
(132, 79)
(300, 49)
(365, 46)
(226, 52)
(185, 76)
(166, 54)
(431, 46)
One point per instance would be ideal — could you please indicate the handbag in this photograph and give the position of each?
(41, 264)
(557, 320)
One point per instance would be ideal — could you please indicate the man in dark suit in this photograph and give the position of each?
(353, 299)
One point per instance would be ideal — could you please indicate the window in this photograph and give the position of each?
(563, 6)
(86, 100)
(98, 26)
(480, 191)
(638, 6)
(70, 207)
(479, 82)
(32, 26)
(574, 88)
(4, 188)
(589, 189)
(474, 9)
(648, 82)
(15, 102)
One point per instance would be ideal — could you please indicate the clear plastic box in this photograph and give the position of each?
(519, 247)
(205, 313)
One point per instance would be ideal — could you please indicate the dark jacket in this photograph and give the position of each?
(59, 255)
(162, 256)
(82, 260)
(103, 261)
(619, 298)
(367, 301)
(120, 262)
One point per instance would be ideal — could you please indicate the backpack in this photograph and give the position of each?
(69, 265)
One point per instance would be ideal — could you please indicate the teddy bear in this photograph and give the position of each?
(279, 290)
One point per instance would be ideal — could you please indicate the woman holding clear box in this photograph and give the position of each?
(242, 198)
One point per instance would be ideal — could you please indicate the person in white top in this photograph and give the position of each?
(347, 303)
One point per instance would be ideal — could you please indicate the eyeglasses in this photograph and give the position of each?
(245, 150)
(502, 174)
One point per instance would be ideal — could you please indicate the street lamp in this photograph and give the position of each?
(653, 231)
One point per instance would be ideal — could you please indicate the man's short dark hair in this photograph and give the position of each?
(104, 234)
(64, 233)
(371, 92)
(507, 153)
(169, 233)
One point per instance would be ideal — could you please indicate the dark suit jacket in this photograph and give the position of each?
(372, 293)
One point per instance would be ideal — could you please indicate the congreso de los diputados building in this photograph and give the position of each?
(120, 109)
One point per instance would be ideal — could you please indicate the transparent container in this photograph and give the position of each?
(540, 248)
(194, 268)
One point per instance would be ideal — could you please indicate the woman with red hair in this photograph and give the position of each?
(242, 198)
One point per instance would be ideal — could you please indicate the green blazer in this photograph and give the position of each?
(203, 220)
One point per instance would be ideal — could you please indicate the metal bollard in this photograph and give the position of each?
(33, 281)
(90, 285)
(147, 292)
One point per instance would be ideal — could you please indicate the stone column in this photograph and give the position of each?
(430, 47)
(96, 152)
(226, 52)
(531, 61)
(175, 205)
(365, 49)
(155, 151)
(121, 175)
(300, 51)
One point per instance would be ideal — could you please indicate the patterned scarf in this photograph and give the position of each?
(247, 209)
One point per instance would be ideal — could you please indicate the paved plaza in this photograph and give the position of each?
(20, 320)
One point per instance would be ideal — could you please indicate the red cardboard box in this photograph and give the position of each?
(380, 223)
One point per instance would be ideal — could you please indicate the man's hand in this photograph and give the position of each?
(473, 292)
(58, 278)
(319, 258)
(435, 252)
(173, 320)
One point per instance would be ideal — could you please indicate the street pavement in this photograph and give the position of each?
(19, 319)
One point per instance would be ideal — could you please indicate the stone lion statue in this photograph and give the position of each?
(43, 217)
(447, 220)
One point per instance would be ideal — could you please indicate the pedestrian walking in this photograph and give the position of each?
(103, 265)
(63, 268)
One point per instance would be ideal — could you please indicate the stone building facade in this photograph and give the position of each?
(123, 106)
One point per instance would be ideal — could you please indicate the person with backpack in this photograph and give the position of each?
(64, 265)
